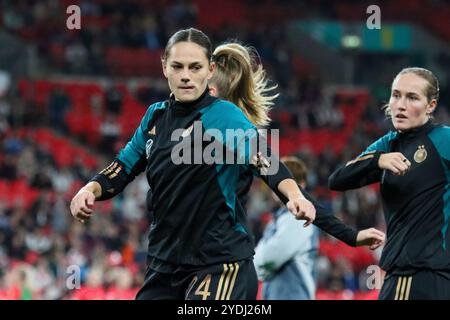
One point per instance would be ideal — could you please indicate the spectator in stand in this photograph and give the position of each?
(58, 105)
(110, 132)
(114, 100)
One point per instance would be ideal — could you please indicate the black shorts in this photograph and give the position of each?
(228, 281)
(422, 285)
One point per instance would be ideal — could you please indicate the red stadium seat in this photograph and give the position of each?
(231, 12)
(4, 190)
(134, 62)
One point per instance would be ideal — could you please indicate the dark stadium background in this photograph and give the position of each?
(69, 99)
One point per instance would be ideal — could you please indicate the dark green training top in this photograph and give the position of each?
(417, 204)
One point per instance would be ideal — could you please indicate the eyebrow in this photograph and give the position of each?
(408, 93)
(192, 64)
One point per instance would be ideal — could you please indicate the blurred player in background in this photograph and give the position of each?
(288, 267)
(412, 163)
(199, 243)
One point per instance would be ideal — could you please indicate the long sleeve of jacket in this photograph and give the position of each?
(130, 161)
(328, 222)
(243, 141)
(364, 169)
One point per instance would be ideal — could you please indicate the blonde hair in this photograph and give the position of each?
(240, 79)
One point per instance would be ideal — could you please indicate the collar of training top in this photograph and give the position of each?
(419, 131)
(184, 108)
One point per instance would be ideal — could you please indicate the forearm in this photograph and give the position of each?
(328, 223)
(335, 227)
(289, 188)
(359, 172)
(111, 181)
(281, 183)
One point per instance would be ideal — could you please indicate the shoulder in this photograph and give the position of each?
(382, 144)
(222, 113)
(440, 137)
(222, 107)
(441, 130)
(391, 135)
(161, 105)
(153, 111)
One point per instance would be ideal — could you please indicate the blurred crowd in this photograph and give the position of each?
(45, 254)
(39, 241)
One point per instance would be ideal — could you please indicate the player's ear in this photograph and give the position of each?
(212, 68)
(164, 67)
(431, 106)
(213, 91)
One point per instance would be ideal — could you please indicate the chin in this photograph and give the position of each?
(401, 126)
(186, 97)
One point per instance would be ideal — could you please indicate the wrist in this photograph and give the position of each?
(92, 187)
(84, 189)
(295, 195)
(376, 159)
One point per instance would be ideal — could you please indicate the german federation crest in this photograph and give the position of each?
(421, 154)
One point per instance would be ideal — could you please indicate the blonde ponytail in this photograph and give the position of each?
(240, 79)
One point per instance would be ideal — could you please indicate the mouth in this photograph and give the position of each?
(186, 87)
(401, 116)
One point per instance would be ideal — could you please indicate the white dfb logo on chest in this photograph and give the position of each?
(148, 147)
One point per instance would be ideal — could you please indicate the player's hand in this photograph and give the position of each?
(81, 206)
(302, 209)
(373, 238)
(395, 162)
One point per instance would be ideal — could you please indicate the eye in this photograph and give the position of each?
(176, 66)
(395, 95)
(196, 68)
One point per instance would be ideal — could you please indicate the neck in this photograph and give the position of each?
(192, 102)
(414, 128)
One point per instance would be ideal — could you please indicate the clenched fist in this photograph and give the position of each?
(373, 238)
(82, 205)
(302, 209)
(395, 162)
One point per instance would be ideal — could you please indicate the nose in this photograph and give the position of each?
(402, 105)
(185, 76)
